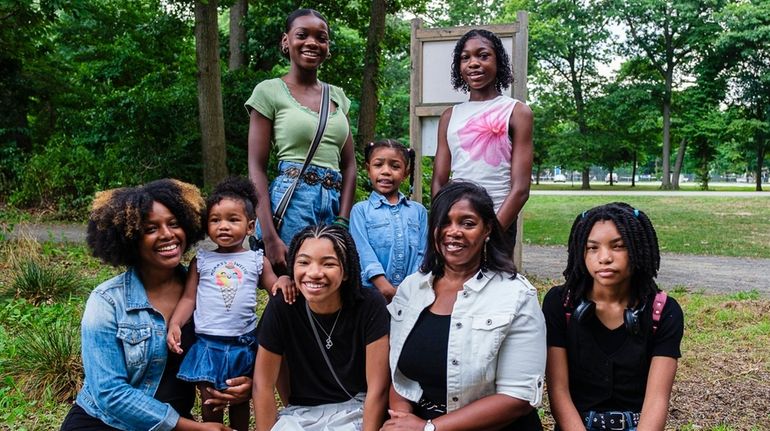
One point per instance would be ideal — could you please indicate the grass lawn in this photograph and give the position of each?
(725, 226)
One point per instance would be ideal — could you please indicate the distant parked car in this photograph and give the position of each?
(614, 177)
(559, 178)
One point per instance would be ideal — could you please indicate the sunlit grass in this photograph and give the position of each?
(724, 226)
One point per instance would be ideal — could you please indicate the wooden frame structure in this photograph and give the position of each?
(518, 32)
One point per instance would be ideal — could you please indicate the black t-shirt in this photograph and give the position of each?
(665, 341)
(424, 355)
(285, 330)
(608, 368)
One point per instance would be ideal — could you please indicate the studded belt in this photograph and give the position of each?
(616, 421)
(328, 181)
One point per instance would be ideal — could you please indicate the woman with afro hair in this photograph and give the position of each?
(130, 376)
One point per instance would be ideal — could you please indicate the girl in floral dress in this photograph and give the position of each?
(487, 139)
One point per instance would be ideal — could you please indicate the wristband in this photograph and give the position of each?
(341, 221)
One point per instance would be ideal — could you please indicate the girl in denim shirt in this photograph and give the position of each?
(130, 376)
(221, 289)
(388, 228)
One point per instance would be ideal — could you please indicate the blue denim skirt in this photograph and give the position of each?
(215, 359)
(316, 199)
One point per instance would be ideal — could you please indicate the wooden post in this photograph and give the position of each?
(415, 98)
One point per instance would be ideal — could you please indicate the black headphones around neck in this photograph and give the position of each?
(631, 316)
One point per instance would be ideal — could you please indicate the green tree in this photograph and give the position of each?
(668, 34)
(568, 40)
(745, 47)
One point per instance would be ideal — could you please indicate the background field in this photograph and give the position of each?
(725, 226)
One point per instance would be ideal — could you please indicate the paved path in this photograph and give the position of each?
(715, 274)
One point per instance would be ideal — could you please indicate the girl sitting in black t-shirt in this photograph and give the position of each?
(613, 336)
(335, 325)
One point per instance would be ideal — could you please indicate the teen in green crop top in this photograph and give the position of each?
(284, 113)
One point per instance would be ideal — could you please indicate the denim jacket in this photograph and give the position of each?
(390, 238)
(496, 338)
(124, 355)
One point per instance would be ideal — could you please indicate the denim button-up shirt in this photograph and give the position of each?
(390, 238)
(124, 355)
(496, 338)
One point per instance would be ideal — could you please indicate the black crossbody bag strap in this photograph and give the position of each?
(323, 352)
(323, 117)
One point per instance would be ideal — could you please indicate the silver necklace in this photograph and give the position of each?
(329, 343)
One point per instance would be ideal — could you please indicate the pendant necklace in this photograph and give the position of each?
(329, 343)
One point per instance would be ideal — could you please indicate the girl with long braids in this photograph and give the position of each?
(613, 336)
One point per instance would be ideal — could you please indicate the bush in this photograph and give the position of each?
(44, 360)
(43, 283)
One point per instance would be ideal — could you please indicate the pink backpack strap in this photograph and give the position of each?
(657, 309)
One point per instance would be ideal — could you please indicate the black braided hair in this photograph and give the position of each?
(407, 153)
(115, 225)
(236, 188)
(499, 247)
(641, 242)
(344, 247)
(504, 76)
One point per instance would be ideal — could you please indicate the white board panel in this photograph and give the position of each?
(437, 71)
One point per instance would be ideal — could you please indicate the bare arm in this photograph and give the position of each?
(266, 372)
(660, 380)
(272, 283)
(397, 402)
(377, 383)
(557, 376)
(521, 164)
(488, 413)
(348, 170)
(384, 286)
(184, 309)
(260, 129)
(443, 161)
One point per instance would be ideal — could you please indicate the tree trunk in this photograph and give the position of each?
(761, 148)
(633, 172)
(210, 111)
(666, 183)
(537, 177)
(367, 115)
(678, 165)
(586, 183)
(611, 182)
(238, 34)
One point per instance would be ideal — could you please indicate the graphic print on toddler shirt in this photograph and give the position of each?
(229, 279)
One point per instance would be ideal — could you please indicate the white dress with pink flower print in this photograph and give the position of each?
(480, 145)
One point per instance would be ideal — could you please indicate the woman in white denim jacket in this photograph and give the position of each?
(130, 377)
(467, 346)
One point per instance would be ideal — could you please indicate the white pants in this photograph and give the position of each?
(344, 416)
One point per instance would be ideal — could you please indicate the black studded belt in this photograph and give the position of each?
(616, 421)
(328, 181)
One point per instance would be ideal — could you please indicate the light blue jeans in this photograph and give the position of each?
(310, 204)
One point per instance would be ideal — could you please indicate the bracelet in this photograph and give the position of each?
(341, 221)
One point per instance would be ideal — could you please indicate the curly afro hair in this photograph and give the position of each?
(504, 76)
(236, 188)
(115, 224)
